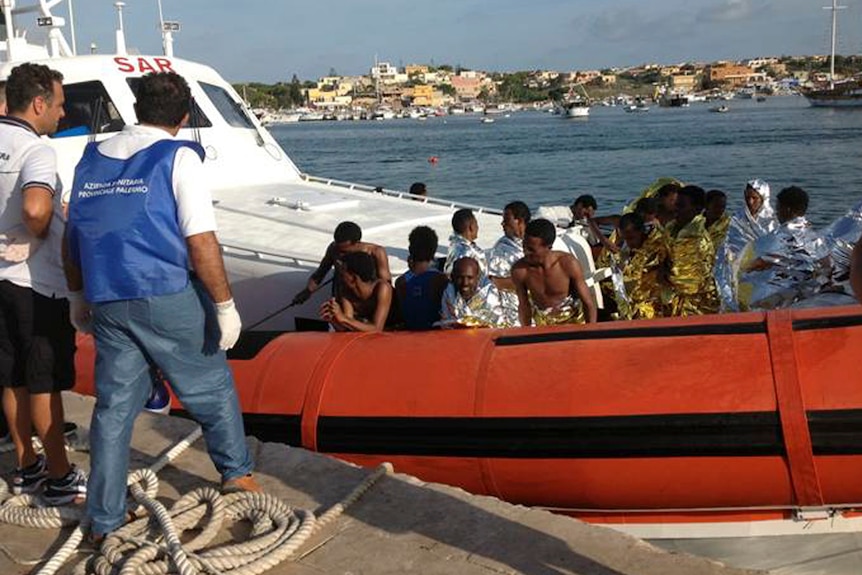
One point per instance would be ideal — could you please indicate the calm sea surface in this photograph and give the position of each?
(544, 159)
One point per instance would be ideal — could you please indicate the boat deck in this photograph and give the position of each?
(400, 526)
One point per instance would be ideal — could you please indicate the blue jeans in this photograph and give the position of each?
(177, 333)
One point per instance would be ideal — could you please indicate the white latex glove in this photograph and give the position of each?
(229, 324)
(80, 313)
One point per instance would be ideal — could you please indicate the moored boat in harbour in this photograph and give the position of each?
(845, 93)
(571, 419)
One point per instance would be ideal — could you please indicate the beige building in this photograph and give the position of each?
(684, 82)
(729, 75)
(423, 95)
(466, 88)
(416, 70)
(331, 90)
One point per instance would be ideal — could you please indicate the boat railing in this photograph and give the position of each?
(271, 256)
(397, 194)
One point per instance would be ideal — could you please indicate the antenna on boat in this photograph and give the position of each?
(72, 28)
(168, 28)
(10, 29)
(835, 8)
(121, 34)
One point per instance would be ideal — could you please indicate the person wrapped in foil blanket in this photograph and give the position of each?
(471, 299)
(840, 237)
(643, 261)
(462, 242)
(501, 258)
(752, 221)
(788, 265)
(690, 287)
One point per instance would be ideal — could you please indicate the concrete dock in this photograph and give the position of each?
(401, 525)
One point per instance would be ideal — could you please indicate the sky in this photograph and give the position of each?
(271, 40)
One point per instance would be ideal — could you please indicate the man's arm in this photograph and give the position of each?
(340, 313)
(80, 314)
(325, 265)
(205, 255)
(525, 312)
(72, 270)
(207, 263)
(504, 284)
(316, 276)
(382, 264)
(38, 205)
(576, 279)
(39, 184)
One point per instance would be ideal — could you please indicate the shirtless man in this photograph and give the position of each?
(550, 284)
(365, 299)
(346, 238)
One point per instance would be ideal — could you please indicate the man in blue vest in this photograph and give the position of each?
(139, 215)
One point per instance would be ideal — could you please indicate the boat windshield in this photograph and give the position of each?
(88, 110)
(200, 119)
(230, 109)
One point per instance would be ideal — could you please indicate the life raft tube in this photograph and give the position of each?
(744, 415)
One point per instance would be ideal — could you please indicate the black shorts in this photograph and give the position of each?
(37, 341)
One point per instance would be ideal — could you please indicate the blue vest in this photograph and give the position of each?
(123, 230)
(419, 309)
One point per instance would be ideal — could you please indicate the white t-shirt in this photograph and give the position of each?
(26, 160)
(191, 190)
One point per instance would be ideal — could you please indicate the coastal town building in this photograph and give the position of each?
(416, 70)
(729, 75)
(386, 73)
(684, 82)
(425, 96)
(758, 63)
(469, 84)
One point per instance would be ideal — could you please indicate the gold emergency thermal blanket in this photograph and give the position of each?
(691, 284)
(644, 273)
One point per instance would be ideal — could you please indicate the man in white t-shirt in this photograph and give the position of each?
(147, 277)
(37, 342)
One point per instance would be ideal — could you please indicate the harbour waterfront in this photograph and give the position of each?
(546, 160)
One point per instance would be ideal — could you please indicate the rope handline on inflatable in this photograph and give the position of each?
(278, 530)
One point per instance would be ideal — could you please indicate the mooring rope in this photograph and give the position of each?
(152, 545)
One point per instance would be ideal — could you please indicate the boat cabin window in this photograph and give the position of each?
(197, 118)
(89, 110)
(232, 111)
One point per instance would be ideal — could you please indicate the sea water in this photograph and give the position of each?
(543, 159)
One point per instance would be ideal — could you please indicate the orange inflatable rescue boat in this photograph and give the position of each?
(717, 418)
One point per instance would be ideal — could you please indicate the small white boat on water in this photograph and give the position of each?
(720, 109)
(575, 105)
(579, 109)
(636, 108)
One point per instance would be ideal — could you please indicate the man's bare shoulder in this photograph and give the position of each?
(372, 249)
(558, 257)
(567, 261)
(520, 266)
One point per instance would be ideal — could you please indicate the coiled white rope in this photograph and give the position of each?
(152, 546)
